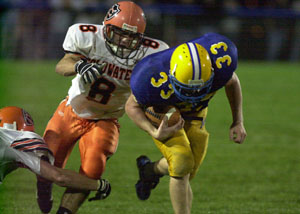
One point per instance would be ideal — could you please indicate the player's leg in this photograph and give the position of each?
(180, 160)
(60, 135)
(95, 147)
(62, 132)
(190, 196)
(161, 167)
(179, 194)
(198, 137)
(177, 162)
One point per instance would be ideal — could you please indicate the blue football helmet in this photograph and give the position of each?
(191, 72)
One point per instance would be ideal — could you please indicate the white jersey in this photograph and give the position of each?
(106, 97)
(20, 146)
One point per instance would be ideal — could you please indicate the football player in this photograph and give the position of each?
(20, 146)
(101, 57)
(187, 77)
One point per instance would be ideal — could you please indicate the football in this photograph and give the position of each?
(155, 115)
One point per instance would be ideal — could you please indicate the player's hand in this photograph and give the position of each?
(103, 190)
(237, 132)
(89, 71)
(164, 131)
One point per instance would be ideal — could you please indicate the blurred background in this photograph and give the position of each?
(262, 29)
(259, 177)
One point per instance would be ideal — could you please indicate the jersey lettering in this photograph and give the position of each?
(114, 70)
(103, 87)
(219, 45)
(167, 95)
(88, 28)
(150, 43)
(223, 59)
(158, 83)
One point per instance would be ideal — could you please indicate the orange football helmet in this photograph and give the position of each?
(16, 118)
(124, 27)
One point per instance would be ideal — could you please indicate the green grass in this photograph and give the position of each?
(260, 176)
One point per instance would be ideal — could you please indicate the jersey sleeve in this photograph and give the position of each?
(150, 82)
(224, 57)
(32, 142)
(80, 39)
(154, 45)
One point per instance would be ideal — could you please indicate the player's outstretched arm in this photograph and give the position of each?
(66, 66)
(234, 95)
(61, 177)
(67, 178)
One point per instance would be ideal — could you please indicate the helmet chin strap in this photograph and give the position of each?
(10, 126)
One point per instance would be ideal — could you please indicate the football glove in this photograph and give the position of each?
(89, 71)
(103, 190)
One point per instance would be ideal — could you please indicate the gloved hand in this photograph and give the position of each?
(103, 190)
(89, 71)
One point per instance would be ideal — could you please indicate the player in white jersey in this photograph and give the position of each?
(20, 146)
(102, 58)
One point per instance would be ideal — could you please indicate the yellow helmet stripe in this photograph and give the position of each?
(195, 61)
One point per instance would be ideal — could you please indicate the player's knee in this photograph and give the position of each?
(182, 165)
(92, 172)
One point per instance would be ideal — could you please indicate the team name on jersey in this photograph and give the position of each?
(114, 70)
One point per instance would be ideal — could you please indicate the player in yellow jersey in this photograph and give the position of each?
(186, 77)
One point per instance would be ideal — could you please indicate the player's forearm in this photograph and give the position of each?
(67, 178)
(137, 115)
(234, 95)
(74, 180)
(66, 66)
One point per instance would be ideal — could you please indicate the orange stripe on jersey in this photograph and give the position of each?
(33, 147)
(27, 141)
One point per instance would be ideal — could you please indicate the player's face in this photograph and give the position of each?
(122, 42)
(125, 39)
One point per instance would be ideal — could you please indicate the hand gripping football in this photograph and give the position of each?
(156, 115)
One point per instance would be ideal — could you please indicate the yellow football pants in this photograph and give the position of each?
(186, 150)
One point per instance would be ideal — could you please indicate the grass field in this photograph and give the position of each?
(261, 176)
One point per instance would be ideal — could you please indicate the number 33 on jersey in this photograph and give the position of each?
(154, 86)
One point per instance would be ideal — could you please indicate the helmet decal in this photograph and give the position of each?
(195, 61)
(114, 10)
(128, 27)
(27, 118)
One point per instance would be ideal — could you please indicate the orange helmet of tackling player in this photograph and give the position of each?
(125, 25)
(16, 118)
